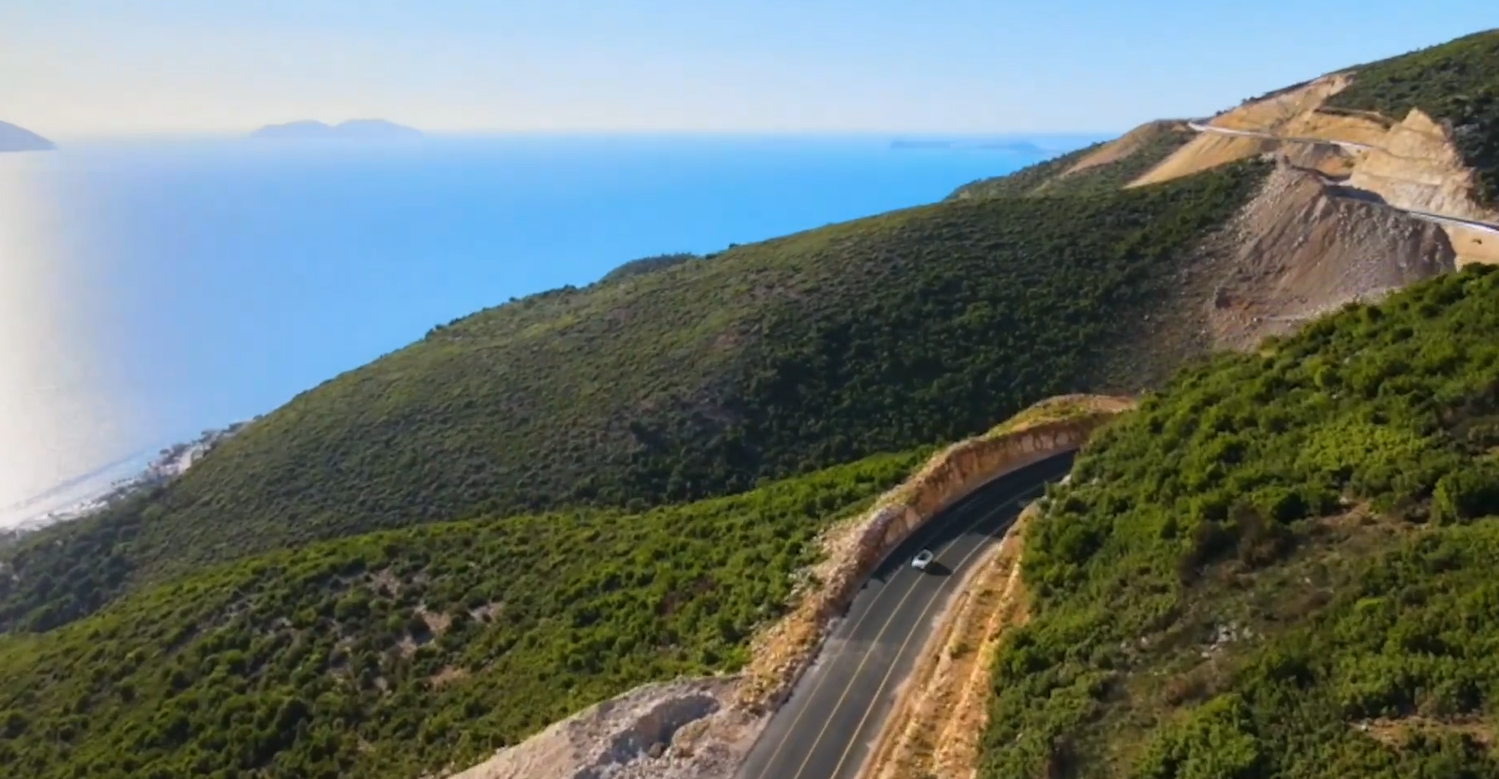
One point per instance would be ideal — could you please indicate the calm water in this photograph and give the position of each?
(151, 290)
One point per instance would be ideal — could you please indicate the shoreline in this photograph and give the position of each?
(90, 493)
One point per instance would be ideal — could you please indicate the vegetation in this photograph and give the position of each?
(1457, 83)
(1023, 181)
(647, 265)
(391, 654)
(698, 380)
(1159, 141)
(1280, 565)
(1152, 143)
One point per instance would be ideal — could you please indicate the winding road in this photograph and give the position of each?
(828, 725)
(1441, 219)
(1207, 128)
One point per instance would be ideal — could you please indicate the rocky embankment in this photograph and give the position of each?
(703, 728)
(1408, 162)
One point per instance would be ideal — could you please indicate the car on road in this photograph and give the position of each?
(922, 559)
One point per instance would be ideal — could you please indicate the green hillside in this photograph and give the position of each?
(1281, 565)
(646, 265)
(1456, 83)
(1151, 143)
(697, 379)
(390, 654)
(1023, 181)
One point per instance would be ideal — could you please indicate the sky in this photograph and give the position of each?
(86, 67)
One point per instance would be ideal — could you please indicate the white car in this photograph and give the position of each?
(922, 560)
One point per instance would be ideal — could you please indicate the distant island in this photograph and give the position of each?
(13, 138)
(1016, 147)
(354, 129)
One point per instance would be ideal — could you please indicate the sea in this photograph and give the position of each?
(155, 288)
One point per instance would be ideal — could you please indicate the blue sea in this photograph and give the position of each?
(152, 289)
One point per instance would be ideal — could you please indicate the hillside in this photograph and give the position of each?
(1276, 566)
(1102, 167)
(391, 654)
(697, 380)
(1280, 566)
(1414, 132)
(13, 138)
(646, 265)
(1456, 83)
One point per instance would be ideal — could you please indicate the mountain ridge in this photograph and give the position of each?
(352, 129)
(14, 138)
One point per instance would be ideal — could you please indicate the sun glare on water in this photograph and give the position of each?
(59, 417)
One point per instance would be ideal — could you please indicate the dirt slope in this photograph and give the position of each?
(1413, 163)
(1270, 114)
(1124, 146)
(1298, 251)
(1417, 166)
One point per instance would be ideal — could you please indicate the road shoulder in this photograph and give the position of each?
(934, 727)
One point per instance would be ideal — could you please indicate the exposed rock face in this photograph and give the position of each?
(634, 735)
(1411, 164)
(1417, 167)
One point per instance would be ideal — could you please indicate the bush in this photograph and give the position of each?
(1192, 553)
(1467, 494)
(576, 608)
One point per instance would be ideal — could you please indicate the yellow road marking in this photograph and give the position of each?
(925, 613)
(786, 736)
(841, 698)
(765, 766)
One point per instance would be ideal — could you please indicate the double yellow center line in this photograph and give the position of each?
(916, 582)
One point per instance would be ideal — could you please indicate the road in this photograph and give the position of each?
(1443, 219)
(1208, 128)
(827, 726)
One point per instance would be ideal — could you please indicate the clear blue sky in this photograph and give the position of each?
(92, 66)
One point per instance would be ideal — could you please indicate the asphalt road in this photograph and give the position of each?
(827, 727)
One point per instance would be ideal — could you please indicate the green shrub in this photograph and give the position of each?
(1211, 603)
(394, 654)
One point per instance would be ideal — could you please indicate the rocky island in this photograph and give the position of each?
(354, 129)
(13, 138)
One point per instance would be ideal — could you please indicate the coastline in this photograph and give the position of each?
(98, 489)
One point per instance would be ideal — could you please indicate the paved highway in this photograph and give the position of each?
(827, 726)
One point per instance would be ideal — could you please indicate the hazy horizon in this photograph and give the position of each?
(1061, 138)
(95, 68)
